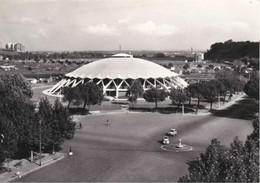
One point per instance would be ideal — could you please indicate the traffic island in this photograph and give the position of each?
(173, 147)
(177, 147)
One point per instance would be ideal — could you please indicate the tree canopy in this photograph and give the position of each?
(195, 91)
(239, 163)
(70, 94)
(135, 91)
(155, 95)
(252, 86)
(178, 97)
(90, 94)
(2, 155)
(16, 115)
(232, 50)
(56, 124)
(210, 91)
(20, 123)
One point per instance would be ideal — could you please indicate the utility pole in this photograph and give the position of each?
(218, 101)
(40, 143)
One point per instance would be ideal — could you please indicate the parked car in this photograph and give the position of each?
(172, 132)
(166, 140)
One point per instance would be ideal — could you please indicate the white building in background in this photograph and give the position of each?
(199, 56)
(15, 47)
(8, 67)
(115, 74)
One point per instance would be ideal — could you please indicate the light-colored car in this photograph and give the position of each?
(172, 132)
(166, 140)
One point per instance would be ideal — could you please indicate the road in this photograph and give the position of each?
(129, 148)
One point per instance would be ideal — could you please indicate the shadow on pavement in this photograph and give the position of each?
(242, 109)
(166, 110)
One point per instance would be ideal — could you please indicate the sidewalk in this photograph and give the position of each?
(233, 101)
(222, 106)
(24, 166)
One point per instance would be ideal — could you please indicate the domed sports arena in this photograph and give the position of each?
(115, 75)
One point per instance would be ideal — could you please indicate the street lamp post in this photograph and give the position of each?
(40, 142)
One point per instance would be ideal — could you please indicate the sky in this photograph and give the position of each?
(86, 25)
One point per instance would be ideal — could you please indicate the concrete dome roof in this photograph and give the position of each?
(121, 66)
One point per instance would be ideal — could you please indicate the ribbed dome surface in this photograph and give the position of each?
(123, 68)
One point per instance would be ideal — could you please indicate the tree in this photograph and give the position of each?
(232, 50)
(155, 95)
(237, 65)
(178, 96)
(239, 163)
(159, 55)
(186, 66)
(56, 124)
(70, 94)
(135, 91)
(199, 66)
(10, 141)
(45, 116)
(209, 91)
(62, 126)
(211, 66)
(235, 168)
(16, 116)
(255, 134)
(17, 84)
(231, 80)
(195, 91)
(252, 86)
(90, 94)
(254, 62)
(208, 167)
(2, 155)
(222, 90)
(252, 153)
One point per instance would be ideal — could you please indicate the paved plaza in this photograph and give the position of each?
(129, 149)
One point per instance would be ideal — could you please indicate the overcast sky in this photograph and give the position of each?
(133, 24)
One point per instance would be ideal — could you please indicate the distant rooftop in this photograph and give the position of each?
(122, 55)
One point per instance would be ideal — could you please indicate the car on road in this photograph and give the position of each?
(166, 140)
(172, 132)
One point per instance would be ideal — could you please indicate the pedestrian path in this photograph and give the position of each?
(19, 168)
(221, 106)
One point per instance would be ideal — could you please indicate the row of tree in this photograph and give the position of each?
(226, 83)
(20, 123)
(37, 56)
(88, 94)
